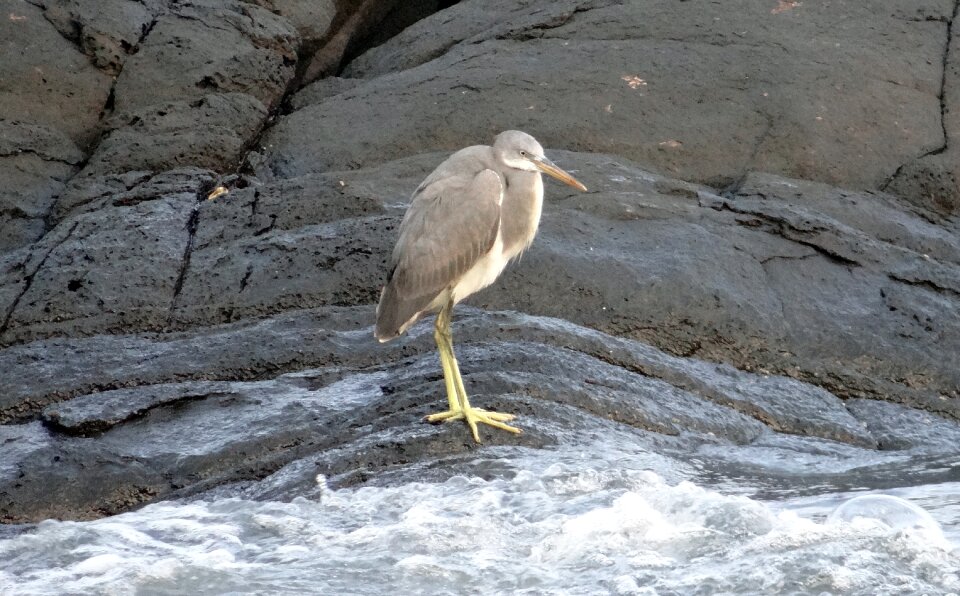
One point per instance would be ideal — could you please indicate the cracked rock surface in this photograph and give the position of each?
(932, 179)
(767, 261)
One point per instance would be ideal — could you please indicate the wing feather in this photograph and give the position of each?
(452, 222)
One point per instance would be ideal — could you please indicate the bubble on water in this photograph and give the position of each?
(891, 513)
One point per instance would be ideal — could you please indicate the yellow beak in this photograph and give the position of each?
(549, 168)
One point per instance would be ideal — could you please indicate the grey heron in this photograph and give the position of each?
(471, 216)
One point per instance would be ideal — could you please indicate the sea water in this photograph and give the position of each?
(597, 517)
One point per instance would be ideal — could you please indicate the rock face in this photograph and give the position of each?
(36, 162)
(789, 277)
(932, 179)
(52, 98)
(703, 92)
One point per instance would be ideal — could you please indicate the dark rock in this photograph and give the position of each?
(891, 284)
(807, 281)
(20, 138)
(401, 16)
(779, 464)
(47, 478)
(198, 90)
(353, 22)
(104, 270)
(771, 278)
(931, 182)
(897, 428)
(98, 412)
(320, 90)
(106, 30)
(312, 20)
(303, 243)
(705, 93)
(933, 179)
(35, 162)
(466, 22)
(557, 376)
(211, 132)
(330, 264)
(46, 371)
(209, 47)
(785, 405)
(156, 344)
(93, 193)
(44, 79)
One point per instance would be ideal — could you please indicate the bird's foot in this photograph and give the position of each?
(473, 416)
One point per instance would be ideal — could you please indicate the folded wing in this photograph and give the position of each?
(451, 223)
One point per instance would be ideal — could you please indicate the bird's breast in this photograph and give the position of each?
(520, 212)
(483, 273)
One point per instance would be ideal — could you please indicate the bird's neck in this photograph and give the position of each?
(522, 204)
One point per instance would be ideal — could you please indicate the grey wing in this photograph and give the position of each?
(450, 224)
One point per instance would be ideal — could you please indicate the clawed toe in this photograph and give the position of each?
(474, 416)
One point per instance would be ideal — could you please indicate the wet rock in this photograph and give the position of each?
(896, 427)
(350, 409)
(787, 406)
(777, 463)
(47, 478)
(773, 277)
(178, 440)
(98, 412)
(94, 275)
(47, 371)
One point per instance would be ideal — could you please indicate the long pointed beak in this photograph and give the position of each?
(548, 167)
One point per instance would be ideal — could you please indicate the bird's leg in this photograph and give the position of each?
(448, 362)
(460, 408)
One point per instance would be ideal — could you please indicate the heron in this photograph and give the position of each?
(476, 212)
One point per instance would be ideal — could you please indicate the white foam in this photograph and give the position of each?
(573, 520)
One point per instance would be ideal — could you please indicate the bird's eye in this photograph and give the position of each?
(523, 154)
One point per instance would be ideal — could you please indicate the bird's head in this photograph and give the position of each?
(519, 150)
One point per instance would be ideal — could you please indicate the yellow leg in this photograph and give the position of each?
(453, 395)
(460, 408)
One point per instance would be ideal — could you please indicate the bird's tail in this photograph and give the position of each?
(394, 314)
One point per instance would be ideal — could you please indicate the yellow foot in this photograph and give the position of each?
(472, 416)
